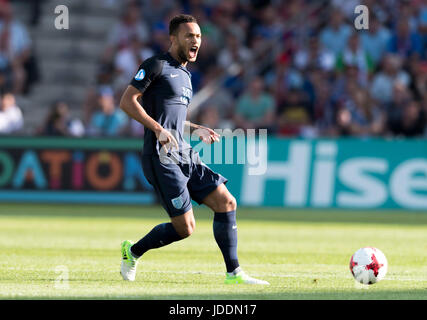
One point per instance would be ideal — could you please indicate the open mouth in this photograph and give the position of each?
(193, 51)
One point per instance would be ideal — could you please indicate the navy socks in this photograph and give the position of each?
(225, 233)
(224, 229)
(161, 235)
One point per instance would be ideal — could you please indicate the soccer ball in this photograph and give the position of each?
(368, 265)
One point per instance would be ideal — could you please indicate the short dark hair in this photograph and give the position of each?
(177, 20)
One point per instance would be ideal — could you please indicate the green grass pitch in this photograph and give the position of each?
(303, 253)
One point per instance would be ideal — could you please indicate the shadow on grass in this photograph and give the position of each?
(401, 217)
(417, 294)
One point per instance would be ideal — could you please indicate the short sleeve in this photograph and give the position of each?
(147, 72)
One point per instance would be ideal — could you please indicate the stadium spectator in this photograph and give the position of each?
(422, 24)
(255, 108)
(406, 11)
(128, 59)
(158, 9)
(335, 35)
(404, 41)
(405, 116)
(284, 77)
(222, 16)
(323, 108)
(211, 32)
(408, 120)
(104, 82)
(346, 7)
(129, 27)
(314, 56)
(418, 74)
(160, 31)
(234, 54)
(11, 118)
(375, 40)
(294, 114)
(270, 26)
(15, 49)
(344, 85)
(355, 55)
(108, 120)
(383, 82)
(59, 122)
(308, 56)
(360, 116)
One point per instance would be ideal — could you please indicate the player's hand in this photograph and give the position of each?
(167, 140)
(207, 135)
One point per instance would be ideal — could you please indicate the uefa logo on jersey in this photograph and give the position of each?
(140, 75)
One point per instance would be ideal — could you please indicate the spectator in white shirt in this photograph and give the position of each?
(122, 32)
(11, 118)
(383, 82)
(128, 60)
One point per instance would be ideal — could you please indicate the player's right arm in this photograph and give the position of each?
(148, 71)
(129, 103)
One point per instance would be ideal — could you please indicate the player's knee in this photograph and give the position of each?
(231, 203)
(186, 229)
(228, 204)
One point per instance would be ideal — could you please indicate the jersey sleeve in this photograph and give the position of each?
(147, 72)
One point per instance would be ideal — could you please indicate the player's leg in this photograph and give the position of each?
(224, 206)
(208, 187)
(179, 228)
(161, 235)
(170, 186)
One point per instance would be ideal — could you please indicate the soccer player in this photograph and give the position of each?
(176, 172)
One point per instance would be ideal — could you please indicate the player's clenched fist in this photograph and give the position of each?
(167, 140)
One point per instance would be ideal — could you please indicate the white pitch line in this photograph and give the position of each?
(277, 275)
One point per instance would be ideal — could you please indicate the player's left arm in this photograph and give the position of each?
(205, 134)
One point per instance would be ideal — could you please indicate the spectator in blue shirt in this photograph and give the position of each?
(404, 42)
(375, 40)
(336, 34)
(108, 120)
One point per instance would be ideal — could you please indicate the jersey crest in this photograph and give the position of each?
(140, 75)
(177, 202)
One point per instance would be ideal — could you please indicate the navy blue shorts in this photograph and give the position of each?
(177, 184)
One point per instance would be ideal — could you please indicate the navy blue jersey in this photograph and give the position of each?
(167, 91)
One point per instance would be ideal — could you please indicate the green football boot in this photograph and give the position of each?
(240, 277)
(129, 262)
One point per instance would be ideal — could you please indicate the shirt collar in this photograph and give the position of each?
(176, 63)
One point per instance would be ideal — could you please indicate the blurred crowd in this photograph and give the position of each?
(298, 68)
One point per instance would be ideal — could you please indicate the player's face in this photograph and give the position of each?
(189, 39)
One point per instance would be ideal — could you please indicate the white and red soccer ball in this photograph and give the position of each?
(368, 265)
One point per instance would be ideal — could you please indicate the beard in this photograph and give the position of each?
(181, 54)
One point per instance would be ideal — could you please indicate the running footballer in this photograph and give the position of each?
(158, 97)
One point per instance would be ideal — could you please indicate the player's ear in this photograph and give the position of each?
(172, 38)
